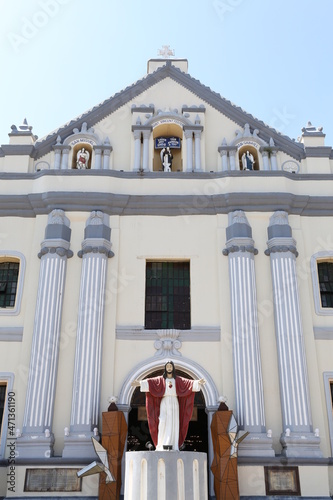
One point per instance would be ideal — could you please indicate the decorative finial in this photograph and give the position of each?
(166, 52)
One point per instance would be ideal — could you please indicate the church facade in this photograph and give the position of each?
(166, 224)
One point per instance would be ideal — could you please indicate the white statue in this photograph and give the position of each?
(247, 161)
(82, 159)
(166, 159)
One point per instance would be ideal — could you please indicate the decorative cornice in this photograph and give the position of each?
(143, 109)
(318, 152)
(19, 150)
(196, 334)
(31, 205)
(193, 109)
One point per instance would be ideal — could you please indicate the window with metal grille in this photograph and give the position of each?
(325, 275)
(168, 302)
(3, 388)
(9, 272)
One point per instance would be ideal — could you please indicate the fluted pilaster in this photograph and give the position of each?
(297, 438)
(87, 368)
(245, 336)
(37, 439)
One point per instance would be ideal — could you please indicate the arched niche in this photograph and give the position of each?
(82, 141)
(168, 124)
(250, 151)
(249, 141)
(82, 156)
(138, 430)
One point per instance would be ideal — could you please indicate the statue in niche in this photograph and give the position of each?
(247, 161)
(169, 404)
(82, 159)
(166, 159)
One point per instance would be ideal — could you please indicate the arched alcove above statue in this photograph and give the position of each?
(167, 127)
(82, 143)
(248, 145)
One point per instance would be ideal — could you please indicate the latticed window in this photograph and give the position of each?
(168, 295)
(2, 403)
(325, 275)
(9, 272)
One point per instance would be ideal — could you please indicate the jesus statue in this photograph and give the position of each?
(169, 404)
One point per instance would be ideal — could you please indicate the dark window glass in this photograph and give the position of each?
(2, 403)
(168, 295)
(325, 274)
(331, 387)
(9, 272)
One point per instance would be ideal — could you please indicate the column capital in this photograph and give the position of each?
(146, 133)
(280, 234)
(137, 134)
(97, 235)
(239, 234)
(57, 235)
(107, 150)
(188, 133)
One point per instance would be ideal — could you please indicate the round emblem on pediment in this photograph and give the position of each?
(290, 166)
(42, 165)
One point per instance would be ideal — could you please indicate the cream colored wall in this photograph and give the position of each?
(200, 239)
(314, 481)
(21, 235)
(169, 186)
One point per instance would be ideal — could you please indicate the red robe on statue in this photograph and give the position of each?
(185, 394)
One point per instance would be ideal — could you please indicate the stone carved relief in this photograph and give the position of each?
(168, 343)
(58, 216)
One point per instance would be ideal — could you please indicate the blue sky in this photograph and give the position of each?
(61, 57)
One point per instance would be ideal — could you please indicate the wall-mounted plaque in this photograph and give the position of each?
(282, 481)
(52, 480)
(167, 142)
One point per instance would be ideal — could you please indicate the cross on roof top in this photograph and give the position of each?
(166, 52)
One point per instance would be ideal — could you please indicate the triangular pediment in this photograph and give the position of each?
(215, 100)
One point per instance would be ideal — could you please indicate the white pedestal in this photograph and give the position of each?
(162, 475)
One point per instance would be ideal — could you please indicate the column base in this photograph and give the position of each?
(256, 444)
(34, 446)
(301, 444)
(79, 445)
